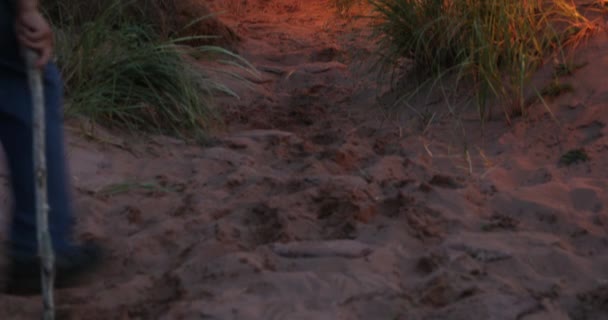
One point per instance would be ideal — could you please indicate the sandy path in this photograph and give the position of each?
(309, 209)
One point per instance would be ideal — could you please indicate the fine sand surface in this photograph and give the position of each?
(313, 205)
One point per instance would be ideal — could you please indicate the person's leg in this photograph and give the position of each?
(16, 133)
(16, 136)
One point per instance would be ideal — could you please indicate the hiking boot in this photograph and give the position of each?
(24, 272)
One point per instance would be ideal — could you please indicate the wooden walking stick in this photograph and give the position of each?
(45, 247)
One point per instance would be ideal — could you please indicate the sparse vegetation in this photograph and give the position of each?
(568, 68)
(343, 7)
(494, 45)
(573, 157)
(556, 88)
(120, 70)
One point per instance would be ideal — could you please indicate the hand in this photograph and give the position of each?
(34, 32)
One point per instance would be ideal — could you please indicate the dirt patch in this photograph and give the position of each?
(314, 204)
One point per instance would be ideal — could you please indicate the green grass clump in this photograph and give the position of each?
(494, 45)
(119, 71)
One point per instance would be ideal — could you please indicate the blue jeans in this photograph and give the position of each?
(16, 137)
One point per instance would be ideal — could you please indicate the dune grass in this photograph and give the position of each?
(493, 46)
(121, 72)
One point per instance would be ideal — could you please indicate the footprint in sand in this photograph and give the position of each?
(584, 199)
